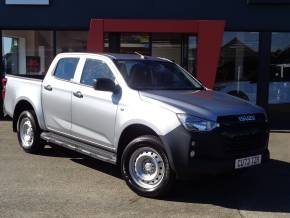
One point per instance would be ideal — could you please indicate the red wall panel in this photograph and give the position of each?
(209, 40)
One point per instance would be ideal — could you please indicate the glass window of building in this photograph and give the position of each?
(106, 42)
(279, 84)
(71, 41)
(191, 59)
(27, 52)
(238, 68)
(135, 42)
(167, 46)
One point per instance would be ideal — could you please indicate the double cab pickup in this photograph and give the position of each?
(146, 114)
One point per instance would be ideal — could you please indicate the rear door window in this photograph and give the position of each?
(66, 68)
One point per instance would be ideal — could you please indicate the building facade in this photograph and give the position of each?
(254, 58)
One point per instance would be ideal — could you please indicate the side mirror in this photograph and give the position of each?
(104, 84)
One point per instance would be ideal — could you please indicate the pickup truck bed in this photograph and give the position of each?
(27, 76)
(23, 89)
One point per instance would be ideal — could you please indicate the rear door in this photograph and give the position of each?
(93, 111)
(57, 94)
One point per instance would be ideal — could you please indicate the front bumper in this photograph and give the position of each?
(215, 151)
(216, 166)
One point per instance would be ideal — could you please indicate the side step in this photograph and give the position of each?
(90, 150)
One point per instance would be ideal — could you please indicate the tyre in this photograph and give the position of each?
(28, 133)
(145, 167)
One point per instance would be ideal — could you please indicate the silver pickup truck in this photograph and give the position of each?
(146, 114)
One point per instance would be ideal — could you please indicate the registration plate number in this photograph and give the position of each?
(248, 161)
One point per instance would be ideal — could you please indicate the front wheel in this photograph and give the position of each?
(145, 167)
(28, 133)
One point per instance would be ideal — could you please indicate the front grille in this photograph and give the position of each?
(234, 120)
(244, 136)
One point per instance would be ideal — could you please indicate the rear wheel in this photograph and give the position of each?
(145, 167)
(28, 133)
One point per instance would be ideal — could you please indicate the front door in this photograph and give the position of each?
(94, 112)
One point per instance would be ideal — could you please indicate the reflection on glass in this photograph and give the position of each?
(10, 54)
(71, 41)
(192, 45)
(279, 86)
(156, 75)
(135, 42)
(106, 42)
(167, 46)
(238, 68)
(27, 52)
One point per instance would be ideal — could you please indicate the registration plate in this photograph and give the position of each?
(248, 161)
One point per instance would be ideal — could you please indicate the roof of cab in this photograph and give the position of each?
(120, 56)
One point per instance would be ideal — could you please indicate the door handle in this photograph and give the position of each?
(78, 94)
(48, 88)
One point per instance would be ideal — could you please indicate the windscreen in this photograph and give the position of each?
(156, 75)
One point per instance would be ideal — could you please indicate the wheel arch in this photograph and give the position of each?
(133, 131)
(21, 106)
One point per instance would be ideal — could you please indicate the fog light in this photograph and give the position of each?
(192, 153)
(193, 143)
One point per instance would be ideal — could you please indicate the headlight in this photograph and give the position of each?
(193, 123)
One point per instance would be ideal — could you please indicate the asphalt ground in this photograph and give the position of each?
(62, 183)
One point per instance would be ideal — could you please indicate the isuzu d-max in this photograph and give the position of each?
(146, 114)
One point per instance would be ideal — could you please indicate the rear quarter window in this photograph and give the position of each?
(66, 68)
